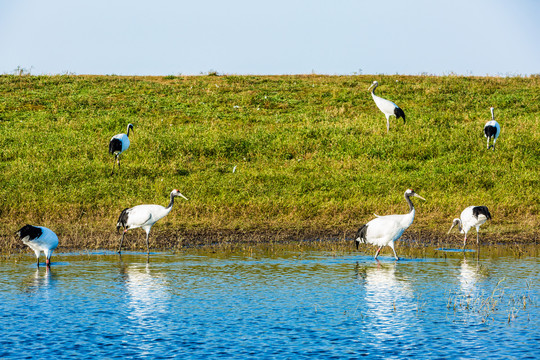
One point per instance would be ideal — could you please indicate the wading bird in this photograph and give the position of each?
(386, 106)
(384, 230)
(39, 239)
(492, 129)
(118, 144)
(144, 216)
(473, 216)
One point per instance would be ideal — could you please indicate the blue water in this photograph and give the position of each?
(293, 306)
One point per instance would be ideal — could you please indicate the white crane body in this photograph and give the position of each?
(472, 216)
(144, 216)
(492, 129)
(118, 144)
(385, 230)
(387, 107)
(39, 238)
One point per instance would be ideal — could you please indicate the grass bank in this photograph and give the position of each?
(311, 155)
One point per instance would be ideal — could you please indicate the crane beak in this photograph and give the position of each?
(418, 196)
(183, 196)
(451, 227)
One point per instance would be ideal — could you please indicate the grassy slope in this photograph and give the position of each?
(311, 152)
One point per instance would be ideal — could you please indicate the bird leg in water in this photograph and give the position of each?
(395, 255)
(147, 244)
(377, 253)
(464, 242)
(122, 240)
(48, 262)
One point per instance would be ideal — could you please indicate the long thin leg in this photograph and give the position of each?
(477, 238)
(387, 124)
(147, 245)
(394, 252)
(114, 160)
(38, 262)
(122, 240)
(464, 241)
(377, 253)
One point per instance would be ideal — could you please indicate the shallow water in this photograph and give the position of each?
(292, 305)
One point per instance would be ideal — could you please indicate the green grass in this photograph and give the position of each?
(312, 154)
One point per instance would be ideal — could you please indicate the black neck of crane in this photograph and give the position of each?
(171, 203)
(411, 206)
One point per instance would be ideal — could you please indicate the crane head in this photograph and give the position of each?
(411, 192)
(375, 83)
(454, 223)
(175, 192)
(130, 127)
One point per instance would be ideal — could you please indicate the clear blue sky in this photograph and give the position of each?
(166, 37)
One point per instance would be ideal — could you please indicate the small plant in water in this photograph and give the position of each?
(491, 306)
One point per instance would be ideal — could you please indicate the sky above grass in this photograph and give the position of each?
(166, 37)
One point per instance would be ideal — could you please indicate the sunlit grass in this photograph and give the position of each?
(311, 153)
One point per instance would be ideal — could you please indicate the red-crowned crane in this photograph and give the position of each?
(384, 230)
(144, 216)
(39, 239)
(386, 106)
(118, 144)
(472, 216)
(492, 129)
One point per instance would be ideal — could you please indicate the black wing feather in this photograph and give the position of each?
(490, 131)
(481, 210)
(115, 145)
(399, 113)
(32, 232)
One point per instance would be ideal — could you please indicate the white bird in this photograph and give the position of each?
(384, 230)
(118, 144)
(39, 239)
(386, 106)
(144, 216)
(492, 129)
(472, 216)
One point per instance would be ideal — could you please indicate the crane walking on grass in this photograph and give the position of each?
(39, 239)
(118, 144)
(386, 106)
(472, 216)
(492, 129)
(144, 216)
(384, 230)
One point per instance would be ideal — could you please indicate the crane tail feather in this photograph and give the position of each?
(398, 112)
(115, 145)
(481, 210)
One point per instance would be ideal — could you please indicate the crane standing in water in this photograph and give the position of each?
(384, 230)
(144, 216)
(472, 216)
(39, 239)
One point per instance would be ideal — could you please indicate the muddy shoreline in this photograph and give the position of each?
(164, 240)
